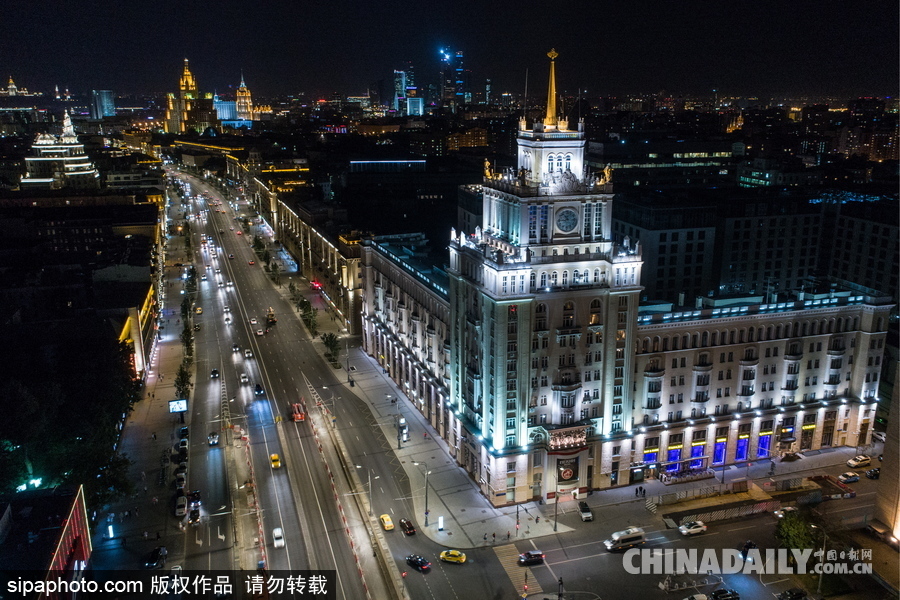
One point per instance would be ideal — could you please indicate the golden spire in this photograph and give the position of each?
(550, 119)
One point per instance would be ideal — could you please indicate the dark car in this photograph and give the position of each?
(259, 390)
(792, 594)
(874, 473)
(183, 432)
(157, 558)
(214, 373)
(419, 563)
(532, 557)
(407, 527)
(194, 498)
(724, 595)
(194, 517)
(234, 348)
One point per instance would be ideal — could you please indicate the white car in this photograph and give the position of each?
(278, 537)
(253, 320)
(783, 511)
(259, 332)
(244, 378)
(248, 353)
(181, 506)
(859, 461)
(227, 309)
(692, 528)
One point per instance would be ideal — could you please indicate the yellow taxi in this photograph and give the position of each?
(386, 522)
(454, 556)
(276, 461)
(199, 310)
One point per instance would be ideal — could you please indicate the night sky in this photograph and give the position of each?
(764, 48)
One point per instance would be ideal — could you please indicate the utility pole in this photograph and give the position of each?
(559, 593)
(555, 510)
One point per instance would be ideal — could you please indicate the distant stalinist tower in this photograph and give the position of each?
(177, 107)
(243, 102)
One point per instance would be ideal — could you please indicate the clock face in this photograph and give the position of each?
(566, 220)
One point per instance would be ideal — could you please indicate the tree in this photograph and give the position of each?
(292, 289)
(185, 308)
(276, 274)
(332, 344)
(258, 243)
(266, 257)
(793, 531)
(183, 382)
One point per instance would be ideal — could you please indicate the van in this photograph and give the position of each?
(627, 538)
(878, 436)
(585, 511)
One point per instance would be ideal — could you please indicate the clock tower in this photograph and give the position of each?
(543, 306)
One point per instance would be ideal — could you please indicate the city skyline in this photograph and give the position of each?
(619, 48)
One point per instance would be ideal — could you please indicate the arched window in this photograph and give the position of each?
(576, 277)
(554, 278)
(565, 278)
(596, 312)
(568, 162)
(568, 311)
(544, 279)
(596, 275)
(550, 163)
(559, 162)
(533, 279)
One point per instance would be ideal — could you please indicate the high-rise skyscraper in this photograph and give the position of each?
(177, 107)
(243, 102)
(454, 80)
(103, 104)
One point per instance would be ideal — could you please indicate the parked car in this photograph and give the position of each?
(692, 528)
(859, 461)
(183, 445)
(180, 481)
(407, 527)
(848, 477)
(874, 473)
(792, 594)
(419, 563)
(724, 594)
(783, 511)
(183, 432)
(180, 506)
(879, 436)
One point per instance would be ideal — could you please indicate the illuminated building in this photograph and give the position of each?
(533, 358)
(59, 161)
(13, 90)
(177, 107)
(454, 80)
(103, 104)
(243, 102)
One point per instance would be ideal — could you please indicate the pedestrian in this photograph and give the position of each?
(485, 537)
(637, 492)
(494, 536)
(643, 492)
(127, 514)
(146, 535)
(537, 519)
(124, 541)
(158, 536)
(425, 435)
(143, 475)
(145, 489)
(154, 436)
(136, 512)
(507, 536)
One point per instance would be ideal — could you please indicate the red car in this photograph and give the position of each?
(251, 263)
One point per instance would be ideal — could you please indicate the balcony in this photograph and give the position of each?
(790, 386)
(836, 351)
(566, 386)
(750, 362)
(704, 368)
(797, 356)
(654, 372)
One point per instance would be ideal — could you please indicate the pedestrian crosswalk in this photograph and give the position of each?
(520, 576)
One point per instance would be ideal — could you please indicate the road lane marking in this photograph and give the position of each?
(508, 555)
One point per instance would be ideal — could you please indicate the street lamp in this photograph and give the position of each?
(421, 462)
(369, 486)
(821, 569)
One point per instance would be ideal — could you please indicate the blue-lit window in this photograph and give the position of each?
(697, 451)
(719, 453)
(650, 457)
(743, 447)
(765, 443)
(673, 457)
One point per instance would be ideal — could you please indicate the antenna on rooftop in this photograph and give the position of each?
(525, 99)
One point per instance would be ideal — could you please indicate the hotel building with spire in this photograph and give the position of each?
(531, 355)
